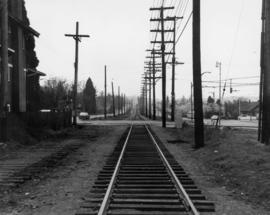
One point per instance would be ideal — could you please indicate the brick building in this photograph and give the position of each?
(23, 78)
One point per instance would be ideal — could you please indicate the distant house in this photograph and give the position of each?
(23, 78)
(249, 108)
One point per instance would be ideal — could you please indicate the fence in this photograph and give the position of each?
(53, 120)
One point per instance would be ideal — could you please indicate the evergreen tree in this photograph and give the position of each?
(89, 97)
(210, 100)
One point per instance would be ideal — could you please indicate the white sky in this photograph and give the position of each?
(119, 35)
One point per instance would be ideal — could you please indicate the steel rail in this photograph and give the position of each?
(103, 207)
(178, 183)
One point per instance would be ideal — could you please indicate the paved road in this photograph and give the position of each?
(232, 123)
(235, 123)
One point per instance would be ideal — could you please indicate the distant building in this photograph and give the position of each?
(249, 108)
(23, 78)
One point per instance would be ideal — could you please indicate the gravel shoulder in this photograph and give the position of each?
(230, 191)
(61, 190)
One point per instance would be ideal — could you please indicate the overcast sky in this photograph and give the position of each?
(120, 33)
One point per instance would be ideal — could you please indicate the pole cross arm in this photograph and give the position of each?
(74, 35)
(153, 57)
(161, 8)
(156, 70)
(167, 53)
(158, 30)
(152, 67)
(161, 41)
(77, 37)
(153, 78)
(165, 19)
(179, 63)
(176, 63)
(174, 17)
(152, 50)
(147, 63)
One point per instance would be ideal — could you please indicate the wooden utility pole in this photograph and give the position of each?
(124, 103)
(4, 69)
(151, 68)
(77, 37)
(163, 48)
(199, 127)
(142, 110)
(105, 92)
(121, 103)
(191, 102)
(266, 78)
(154, 85)
(174, 63)
(163, 70)
(113, 100)
(218, 65)
(118, 100)
(261, 122)
(146, 103)
(173, 72)
(150, 91)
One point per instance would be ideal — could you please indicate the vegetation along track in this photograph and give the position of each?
(141, 177)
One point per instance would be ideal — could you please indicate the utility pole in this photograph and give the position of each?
(191, 102)
(105, 90)
(173, 69)
(124, 103)
(218, 65)
(239, 107)
(4, 69)
(163, 70)
(173, 72)
(113, 100)
(151, 67)
(119, 102)
(154, 83)
(142, 110)
(146, 103)
(163, 48)
(150, 91)
(154, 86)
(197, 81)
(77, 37)
(266, 78)
(261, 121)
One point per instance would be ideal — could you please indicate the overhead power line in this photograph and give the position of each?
(184, 27)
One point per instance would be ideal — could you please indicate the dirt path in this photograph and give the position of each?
(61, 190)
(227, 202)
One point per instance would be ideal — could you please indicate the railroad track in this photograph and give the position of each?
(15, 174)
(141, 177)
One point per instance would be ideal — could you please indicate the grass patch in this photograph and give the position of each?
(240, 163)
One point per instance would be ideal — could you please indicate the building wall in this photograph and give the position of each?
(19, 73)
(23, 89)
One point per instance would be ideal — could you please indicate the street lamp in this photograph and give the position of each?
(218, 65)
(206, 72)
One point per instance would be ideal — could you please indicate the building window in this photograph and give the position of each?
(9, 36)
(23, 43)
(10, 67)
